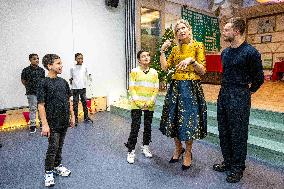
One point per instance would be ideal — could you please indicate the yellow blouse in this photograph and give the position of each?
(195, 50)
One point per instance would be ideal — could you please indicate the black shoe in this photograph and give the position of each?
(234, 177)
(184, 167)
(88, 120)
(0, 145)
(172, 160)
(221, 167)
(32, 129)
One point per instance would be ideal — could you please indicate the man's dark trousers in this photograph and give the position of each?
(233, 110)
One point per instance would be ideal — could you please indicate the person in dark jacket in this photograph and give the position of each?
(242, 76)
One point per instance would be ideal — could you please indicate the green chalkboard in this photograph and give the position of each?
(204, 28)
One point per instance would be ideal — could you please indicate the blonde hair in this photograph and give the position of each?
(182, 21)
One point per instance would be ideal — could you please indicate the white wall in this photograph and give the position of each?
(40, 26)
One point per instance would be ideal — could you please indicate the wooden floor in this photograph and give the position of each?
(269, 97)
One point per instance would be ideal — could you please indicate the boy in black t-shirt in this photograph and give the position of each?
(30, 77)
(55, 109)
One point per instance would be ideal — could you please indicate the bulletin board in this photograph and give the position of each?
(266, 33)
(204, 28)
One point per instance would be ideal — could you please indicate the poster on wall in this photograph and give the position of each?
(266, 39)
(204, 28)
(267, 61)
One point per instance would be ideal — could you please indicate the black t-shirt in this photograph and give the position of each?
(242, 66)
(32, 76)
(55, 93)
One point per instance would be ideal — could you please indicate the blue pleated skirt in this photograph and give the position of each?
(184, 112)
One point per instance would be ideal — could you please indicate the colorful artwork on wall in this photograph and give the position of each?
(204, 28)
(267, 60)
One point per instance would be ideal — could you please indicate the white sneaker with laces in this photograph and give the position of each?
(146, 151)
(49, 179)
(131, 157)
(62, 171)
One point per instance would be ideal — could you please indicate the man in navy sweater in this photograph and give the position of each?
(242, 76)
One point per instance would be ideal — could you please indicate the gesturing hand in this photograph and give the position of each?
(183, 64)
(166, 45)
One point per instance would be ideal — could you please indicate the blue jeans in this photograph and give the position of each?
(32, 100)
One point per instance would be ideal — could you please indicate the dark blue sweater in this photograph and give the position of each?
(242, 66)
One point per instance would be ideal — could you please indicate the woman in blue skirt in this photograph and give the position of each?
(184, 115)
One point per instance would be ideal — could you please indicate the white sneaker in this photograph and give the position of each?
(146, 151)
(32, 129)
(62, 171)
(131, 157)
(49, 179)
